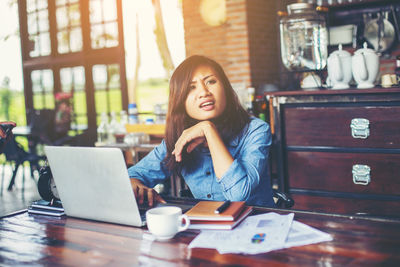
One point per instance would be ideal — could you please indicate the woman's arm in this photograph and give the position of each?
(248, 176)
(147, 173)
(205, 132)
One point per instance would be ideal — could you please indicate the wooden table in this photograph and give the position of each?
(47, 241)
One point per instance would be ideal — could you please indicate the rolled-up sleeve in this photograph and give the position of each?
(151, 170)
(250, 165)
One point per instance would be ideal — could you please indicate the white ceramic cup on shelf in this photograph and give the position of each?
(165, 222)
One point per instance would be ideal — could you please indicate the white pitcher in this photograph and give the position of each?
(365, 65)
(339, 68)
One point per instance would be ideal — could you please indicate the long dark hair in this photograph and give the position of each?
(229, 124)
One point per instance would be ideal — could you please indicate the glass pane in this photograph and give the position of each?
(79, 78)
(115, 100)
(66, 79)
(45, 48)
(60, 2)
(97, 36)
(36, 81)
(62, 19)
(76, 40)
(30, 5)
(35, 43)
(32, 24)
(47, 80)
(80, 103)
(43, 21)
(99, 76)
(81, 120)
(63, 41)
(49, 101)
(41, 4)
(113, 76)
(38, 101)
(111, 33)
(110, 10)
(100, 98)
(95, 11)
(74, 15)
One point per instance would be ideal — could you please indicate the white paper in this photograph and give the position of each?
(301, 234)
(260, 234)
(256, 234)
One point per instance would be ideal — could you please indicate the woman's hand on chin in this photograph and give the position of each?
(192, 137)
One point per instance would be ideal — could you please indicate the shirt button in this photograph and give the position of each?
(209, 195)
(208, 173)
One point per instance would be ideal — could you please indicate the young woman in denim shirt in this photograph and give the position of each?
(210, 141)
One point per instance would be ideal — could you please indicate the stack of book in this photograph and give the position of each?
(203, 216)
(44, 207)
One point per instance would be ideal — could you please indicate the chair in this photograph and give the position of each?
(15, 153)
(42, 124)
(283, 200)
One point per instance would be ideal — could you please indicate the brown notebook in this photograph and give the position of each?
(205, 211)
(220, 225)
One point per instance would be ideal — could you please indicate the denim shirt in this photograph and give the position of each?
(247, 179)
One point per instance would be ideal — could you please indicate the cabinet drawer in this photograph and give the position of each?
(333, 172)
(346, 206)
(330, 126)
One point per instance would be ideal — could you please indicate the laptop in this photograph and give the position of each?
(93, 183)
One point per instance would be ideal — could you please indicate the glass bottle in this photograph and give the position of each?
(304, 38)
(121, 129)
(113, 128)
(250, 99)
(102, 130)
(133, 114)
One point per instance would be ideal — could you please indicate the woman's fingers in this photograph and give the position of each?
(192, 137)
(160, 199)
(141, 192)
(140, 195)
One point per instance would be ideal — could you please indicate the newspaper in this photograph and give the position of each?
(260, 234)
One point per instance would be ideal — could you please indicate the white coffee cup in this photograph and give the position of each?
(165, 222)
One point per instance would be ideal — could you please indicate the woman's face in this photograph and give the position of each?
(206, 98)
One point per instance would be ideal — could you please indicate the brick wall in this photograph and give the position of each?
(246, 45)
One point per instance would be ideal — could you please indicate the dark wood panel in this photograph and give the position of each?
(333, 172)
(330, 126)
(346, 206)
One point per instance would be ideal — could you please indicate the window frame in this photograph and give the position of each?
(86, 58)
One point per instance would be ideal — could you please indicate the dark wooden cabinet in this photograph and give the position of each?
(339, 151)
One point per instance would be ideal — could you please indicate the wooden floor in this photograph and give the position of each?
(20, 197)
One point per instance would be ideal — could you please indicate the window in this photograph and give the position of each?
(104, 25)
(69, 33)
(73, 81)
(38, 28)
(43, 88)
(74, 46)
(107, 89)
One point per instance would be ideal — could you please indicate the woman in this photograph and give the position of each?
(210, 141)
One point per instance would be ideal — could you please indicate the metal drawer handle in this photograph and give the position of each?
(359, 128)
(361, 174)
